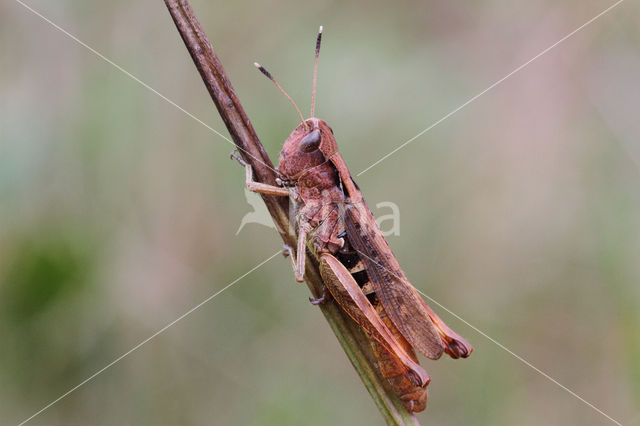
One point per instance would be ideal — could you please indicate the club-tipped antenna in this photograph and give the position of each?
(270, 77)
(315, 72)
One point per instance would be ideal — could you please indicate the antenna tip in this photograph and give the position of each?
(264, 71)
(318, 41)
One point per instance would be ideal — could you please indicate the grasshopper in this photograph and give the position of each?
(334, 224)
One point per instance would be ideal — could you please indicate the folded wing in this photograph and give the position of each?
(401, 301)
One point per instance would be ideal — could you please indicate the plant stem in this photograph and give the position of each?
(354, 341)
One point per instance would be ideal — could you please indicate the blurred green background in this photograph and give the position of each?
(521, 213)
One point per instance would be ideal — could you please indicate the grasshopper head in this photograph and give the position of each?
(311, 144)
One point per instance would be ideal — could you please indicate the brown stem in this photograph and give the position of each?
(353, 340)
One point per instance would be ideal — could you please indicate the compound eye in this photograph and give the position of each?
(310, 142)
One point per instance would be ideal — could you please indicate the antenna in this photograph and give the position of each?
(270, 77)
(315, 71)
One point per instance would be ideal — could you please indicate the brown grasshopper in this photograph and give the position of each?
(357, 265)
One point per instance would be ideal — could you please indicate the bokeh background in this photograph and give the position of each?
(118, 212)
